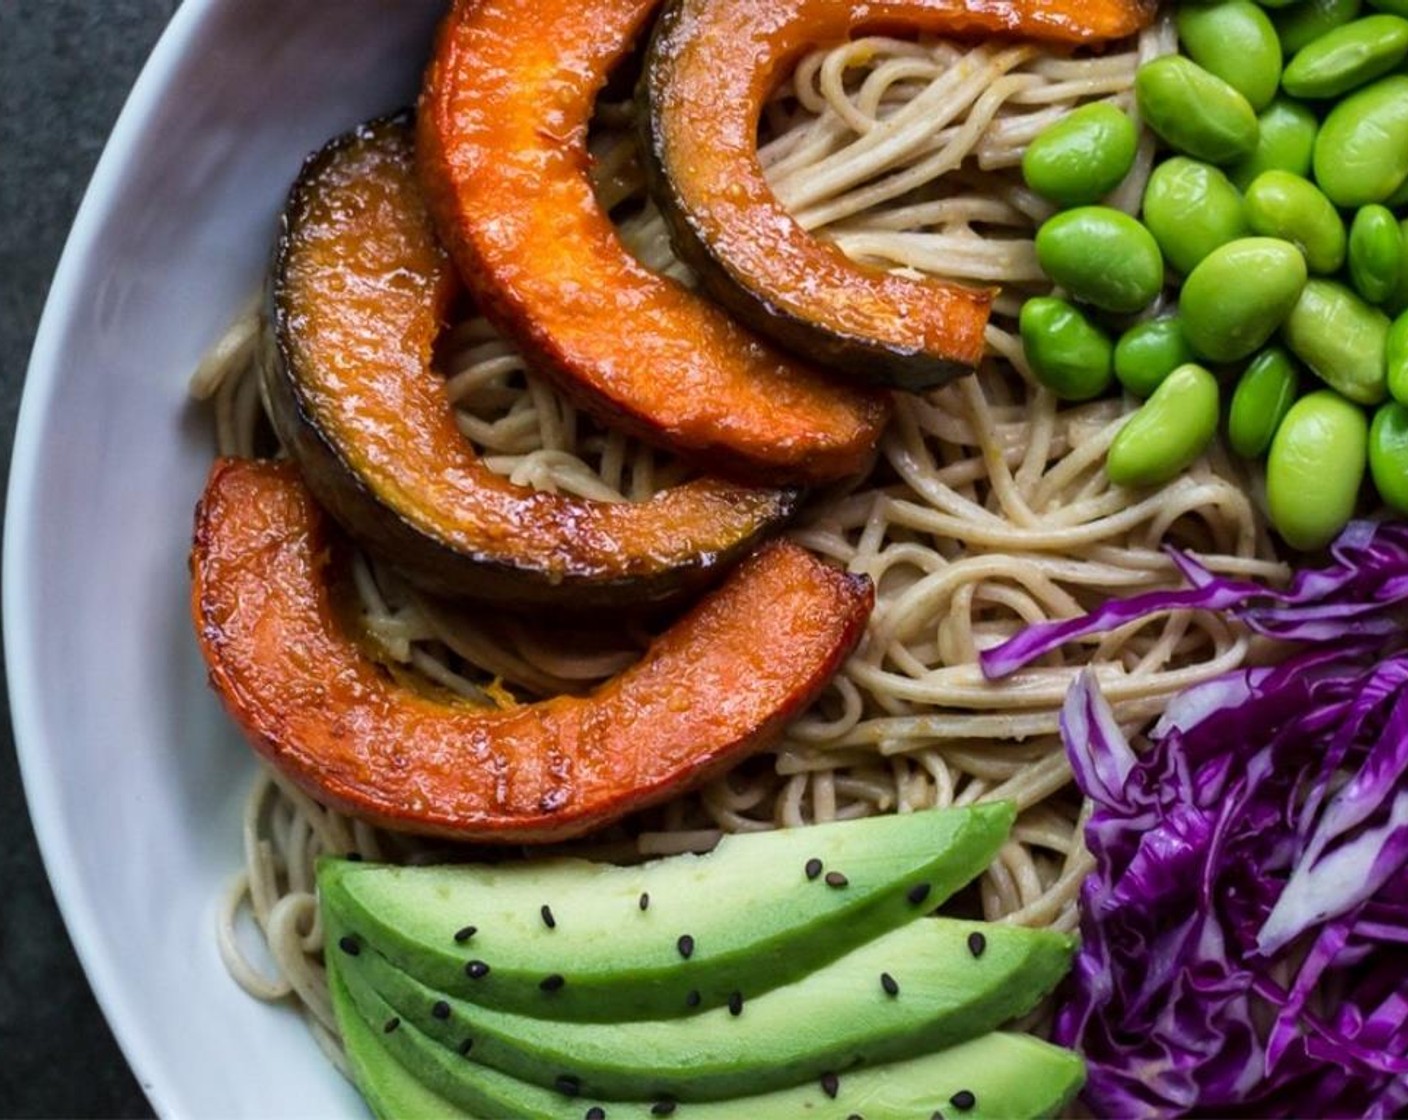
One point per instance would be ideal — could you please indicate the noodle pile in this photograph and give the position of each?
(987, 509)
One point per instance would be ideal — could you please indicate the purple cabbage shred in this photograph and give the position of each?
(1245, 930)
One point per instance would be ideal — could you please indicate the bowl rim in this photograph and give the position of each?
(21, 633)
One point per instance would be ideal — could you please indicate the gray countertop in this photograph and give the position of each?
(65, 69)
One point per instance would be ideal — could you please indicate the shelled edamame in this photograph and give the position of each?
(1149, 351)
(1315, 468)
(1279, 203)
(1388, 454)
(1265, 393)
(1168, 432)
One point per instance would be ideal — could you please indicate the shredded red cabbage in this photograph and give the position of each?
(1245, 932)
(1351, 598)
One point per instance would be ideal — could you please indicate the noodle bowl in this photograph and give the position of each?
(987, 509)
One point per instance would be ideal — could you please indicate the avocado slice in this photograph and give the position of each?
(930, 984)
(390, 1091)
(629, 942)
(997, 1076)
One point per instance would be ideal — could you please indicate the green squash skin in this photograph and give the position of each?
(623, 962)
(838, 1018)
(860, 360)
(406, 1076)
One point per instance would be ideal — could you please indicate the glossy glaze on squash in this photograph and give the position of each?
(710, 68)
(267, 600)
(359, 294)
(502, 130)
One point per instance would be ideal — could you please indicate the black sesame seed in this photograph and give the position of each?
(568, 1085)
(463, 935)
(937, 1115)
(918, 893)
(552, 983)
(735, 1004)
(685, 945)
(977, 943)
(888, 983)
(855, 1116)
(465, 1047)
(441, 1010)
(692, 1000)
(664, 1107)
(390, 1025)
(644, 900)
(836, 879)
(596, 1112)
(830, 1085)
(353, 857)
(349, 945)
(476, 970)
(963, 1100)
(548, 919)
(813, 867)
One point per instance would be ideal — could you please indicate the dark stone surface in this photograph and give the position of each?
(65, 69)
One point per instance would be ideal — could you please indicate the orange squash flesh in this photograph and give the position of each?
(710, 69)
(717, 686)
(360, 291)
(502, 129)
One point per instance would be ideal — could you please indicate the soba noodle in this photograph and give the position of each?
(988, 509)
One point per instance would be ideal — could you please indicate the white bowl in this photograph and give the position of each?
(134, 777)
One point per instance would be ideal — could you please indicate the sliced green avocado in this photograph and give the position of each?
(760, 910)
(927, 985)
(996, 1076)
(390, 1091)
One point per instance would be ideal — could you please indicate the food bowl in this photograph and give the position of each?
(135, 779)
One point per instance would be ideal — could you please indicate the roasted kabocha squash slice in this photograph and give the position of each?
(360, 290)
(710, 68)
(271, 603)
(502, 145)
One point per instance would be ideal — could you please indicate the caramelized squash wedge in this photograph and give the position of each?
(501, 141)
(360, 289)
(710, 68)
(268, 600)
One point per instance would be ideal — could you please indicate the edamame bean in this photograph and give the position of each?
(1398, 302)
(1191, 208)
(1102, 257)
(1264, 394)
(1234, 301)
(1283, 205)
(1347, 57)
(1361, 151)
(1082, 157)
(1308, 20)
(1068, 353)
(1375, 253)
(1195, 111)
(1235, 40)
(1148, 352)
(1388, 454)
(1168, 432)
(1342, 339)
(1315, 469)
(1285, 142)
(1396, 357)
